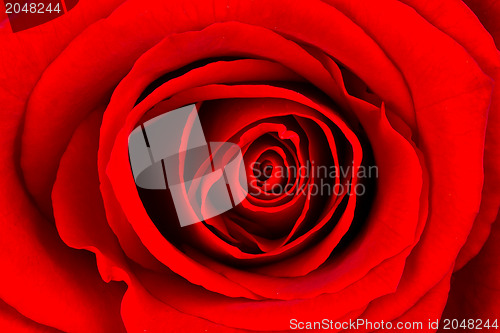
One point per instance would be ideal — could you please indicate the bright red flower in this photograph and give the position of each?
(406, 87)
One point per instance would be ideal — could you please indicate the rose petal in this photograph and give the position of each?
(475, 289)
(13, 321)
(52, 284)
(34, 50)
(78, 208)
(476, 40)
(487, 11)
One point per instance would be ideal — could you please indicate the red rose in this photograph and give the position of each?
(403, 89)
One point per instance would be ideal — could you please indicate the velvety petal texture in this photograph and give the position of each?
(387, 111)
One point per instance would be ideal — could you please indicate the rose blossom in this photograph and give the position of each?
(407, 87)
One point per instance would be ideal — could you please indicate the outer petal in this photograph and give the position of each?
(488, 12)
(475, 289)
(78, 209)
(476, 40)
(13, 321)
(443, 137)
(47, 281)
(66, 293)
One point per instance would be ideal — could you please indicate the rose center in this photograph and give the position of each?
(264, 171)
